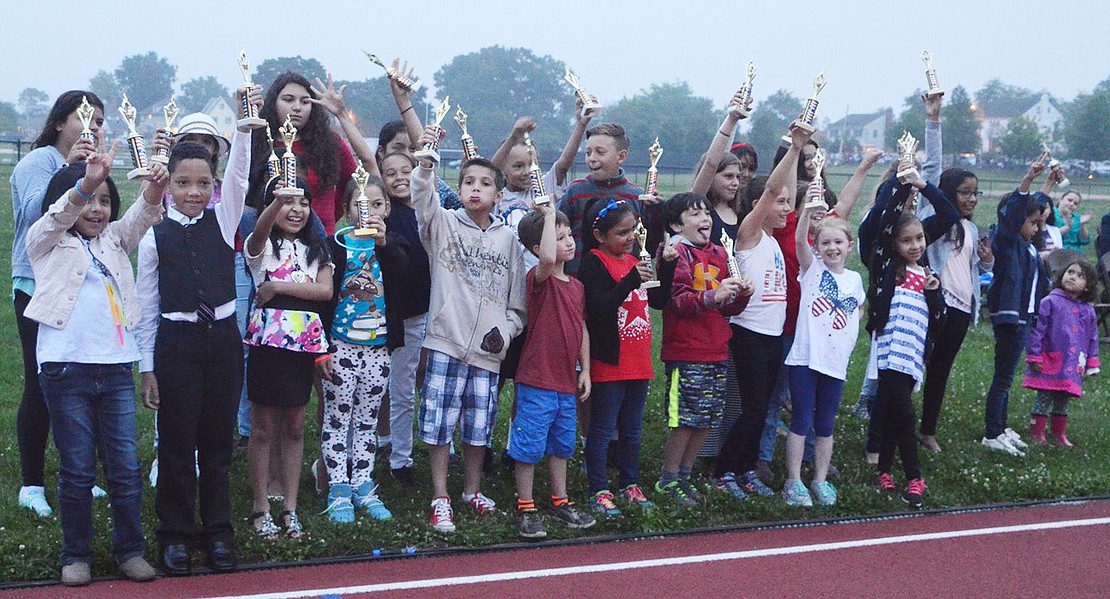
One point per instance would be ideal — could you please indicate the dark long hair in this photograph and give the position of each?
(951, 179)
(593, 220)
(307, 234)
(318, 142)
(59, 113)
(1090, 294)
(65, 179)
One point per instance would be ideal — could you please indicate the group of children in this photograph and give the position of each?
(491, 282)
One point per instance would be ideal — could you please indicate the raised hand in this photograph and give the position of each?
(329, 97)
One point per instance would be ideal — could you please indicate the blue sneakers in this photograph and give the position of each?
(796, 494)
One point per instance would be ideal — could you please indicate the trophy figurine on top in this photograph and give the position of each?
(134, 142)
(470, 149)
(590, 105)
(931, 75)
(430, 151)
(743, 108)
(362, 224)
(816, 202)
(655, 152)
(248, 113)
(85, 113)
(1054, 166)
(289, 163)
(162, 156)
(907, 152)
(809, 115)
(406, 82)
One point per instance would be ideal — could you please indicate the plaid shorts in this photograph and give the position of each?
(452, 389)
(695, 393)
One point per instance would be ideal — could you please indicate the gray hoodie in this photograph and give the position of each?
(478, 300)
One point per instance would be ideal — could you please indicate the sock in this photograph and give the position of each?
(559, 501)
(684, 472)
(525, 504)
(667, 477)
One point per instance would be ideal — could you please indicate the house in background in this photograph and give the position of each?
(1040, 109)
(857, 131)
(223, 113)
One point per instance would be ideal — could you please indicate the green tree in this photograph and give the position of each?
(1021, 140)
(33, 108)
(9, 118)
(995, 93)
(271, 68)
(196, 92)
(683, 122)
(961, 128)
(371, 102)
(912, 119)
(104, 85)
(770, 120)
(147, 79)
(1087, 126)
(496, 85)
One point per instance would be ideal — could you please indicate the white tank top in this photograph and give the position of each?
(766, 267)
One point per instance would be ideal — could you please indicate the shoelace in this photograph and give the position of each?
(605, 500)
(482, 503)
(337, 502)
(886, 481)
(441, 510)
(917, 487)
(369, 497)
(635, 494)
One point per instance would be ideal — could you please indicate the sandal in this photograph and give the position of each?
(263, 525)
(294, 530)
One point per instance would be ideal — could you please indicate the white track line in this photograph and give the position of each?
(671, 561)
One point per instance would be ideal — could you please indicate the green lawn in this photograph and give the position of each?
(963, 475)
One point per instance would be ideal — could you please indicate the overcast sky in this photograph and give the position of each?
(870, 51)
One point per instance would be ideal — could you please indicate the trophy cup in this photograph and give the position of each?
(273, 163)
(655, 152)
(539, 194)
(134, 142)
(641, 237)
(85, 112)
(289, 163)
(404, 81)
(362, 226)
(730, 249)
(907, 149)
(818, 202)
(1054, 165)
(931, 75)
(809, 115)
(430, 151)
(743, 109)
(162, 156)
(470, 149)
(590, 105)
(248, 112)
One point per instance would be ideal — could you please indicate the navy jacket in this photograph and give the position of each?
(1016, 263)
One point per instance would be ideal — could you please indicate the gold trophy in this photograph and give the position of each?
(931, 75)
(730, 249)
(590, 104)
(809, 115)
(273, 163)
(162, 156)
(470, 149)
(430, 151)
(818, 201)
(134, 142)
(641, 237)
(248, 112)
(362, 226)
(907, 150)
(744, 108)
(289, 163)
(85, 112)
(407, 83)
(1054, 165)
(539, 194)
(655, 152)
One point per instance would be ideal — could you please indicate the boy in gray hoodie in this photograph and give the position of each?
(477, 306)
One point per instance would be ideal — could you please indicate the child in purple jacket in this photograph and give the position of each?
(1063, 348)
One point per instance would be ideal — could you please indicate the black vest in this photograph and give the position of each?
(194, 262)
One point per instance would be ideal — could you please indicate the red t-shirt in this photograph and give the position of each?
(633, 328)
(328, 203)
(556, 314)
(785, 237)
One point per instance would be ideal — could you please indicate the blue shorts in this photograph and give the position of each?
(454, 391)
(695, 393)
(544, 424)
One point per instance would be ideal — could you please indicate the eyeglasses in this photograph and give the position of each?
(969, 194)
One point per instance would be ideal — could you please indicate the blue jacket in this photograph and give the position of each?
(1017, 264)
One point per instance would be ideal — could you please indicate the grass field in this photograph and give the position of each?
(963, 475)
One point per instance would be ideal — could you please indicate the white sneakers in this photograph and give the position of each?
(1003, 443)
(34, 499)
(1015, 439)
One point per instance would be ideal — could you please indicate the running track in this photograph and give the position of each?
(1051, 551)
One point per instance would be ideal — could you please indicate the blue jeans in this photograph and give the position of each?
(244, 295)
(619, 406)
(1009, 343)
(90, 403)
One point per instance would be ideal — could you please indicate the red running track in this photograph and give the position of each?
(1057, 551)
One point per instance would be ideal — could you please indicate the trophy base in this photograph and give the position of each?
(289, 192)
(934, 92)
(542, 200)
(739, 111)
(1063, 184)
(905, 176)
(804, 126)
(649, 284)
(163, 160)
(426, 154)
(368, 232)
(590, 110)
(817, 205)
(245, 125)
(139, 173)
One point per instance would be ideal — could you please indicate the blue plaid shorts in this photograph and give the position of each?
(454, 389)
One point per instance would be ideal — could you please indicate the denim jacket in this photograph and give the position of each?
(59, 259)
(1014, 265)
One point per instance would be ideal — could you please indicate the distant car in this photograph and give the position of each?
(1101, 168)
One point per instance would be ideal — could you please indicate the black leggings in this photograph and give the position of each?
(33, 421)
(894, 420)
(949, 338)
(757, 359)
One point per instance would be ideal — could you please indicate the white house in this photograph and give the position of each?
(223, 113)
(995, 118)
(859, 131)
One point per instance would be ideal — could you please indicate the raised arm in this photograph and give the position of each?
(256, 243)
(523, 125)
(331, 99)
(751, 228)
(934, 142)
(574, 141)
(852, 190)
(547, 254)
(404, 102)
(801, 235)
(703, 180)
